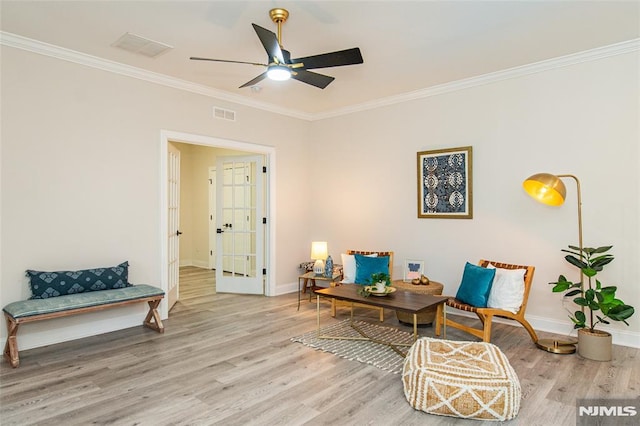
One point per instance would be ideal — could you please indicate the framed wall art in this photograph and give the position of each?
(445, 183)
(413, 269)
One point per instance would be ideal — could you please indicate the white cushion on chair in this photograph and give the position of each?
(507, 290)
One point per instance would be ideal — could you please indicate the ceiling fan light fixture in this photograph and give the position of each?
(278, 73)
(281, 67)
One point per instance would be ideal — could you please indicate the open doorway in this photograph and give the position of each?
(197, 151)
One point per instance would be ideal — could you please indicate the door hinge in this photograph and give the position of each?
(264, 220)
(264, 169)
(264, 271)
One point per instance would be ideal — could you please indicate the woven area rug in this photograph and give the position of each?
(376, 354)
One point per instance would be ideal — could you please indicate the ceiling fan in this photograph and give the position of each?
(280, 66)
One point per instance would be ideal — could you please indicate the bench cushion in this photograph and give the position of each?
(31, 307)
(45, 284)
(461, 379)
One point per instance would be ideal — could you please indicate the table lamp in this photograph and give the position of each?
(319, 253)
(549, 189)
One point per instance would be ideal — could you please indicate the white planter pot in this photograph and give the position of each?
(596, 345)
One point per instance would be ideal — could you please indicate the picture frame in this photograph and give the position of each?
(445, 184)
(413, 269)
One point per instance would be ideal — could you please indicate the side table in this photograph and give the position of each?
(427, 317)
(311, 277)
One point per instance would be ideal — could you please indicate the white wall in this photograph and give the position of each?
(580, 119)
(80, 173)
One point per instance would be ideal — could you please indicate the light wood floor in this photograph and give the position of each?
(228, 359)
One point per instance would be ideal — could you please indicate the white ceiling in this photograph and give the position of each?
(407, 45)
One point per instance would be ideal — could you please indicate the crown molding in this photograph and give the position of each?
(520, 71)
(35, 46)
(46, 49)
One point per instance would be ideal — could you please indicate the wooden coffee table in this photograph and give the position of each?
(404, 301)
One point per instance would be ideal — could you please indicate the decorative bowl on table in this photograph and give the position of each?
(373, 291)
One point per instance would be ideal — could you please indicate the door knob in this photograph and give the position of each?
(178, 233)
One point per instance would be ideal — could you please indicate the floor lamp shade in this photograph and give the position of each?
(549, 189)
(546, 188)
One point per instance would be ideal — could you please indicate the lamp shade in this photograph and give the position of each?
(319, 250)
(546, 188)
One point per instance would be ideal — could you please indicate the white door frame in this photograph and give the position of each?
(270, 160)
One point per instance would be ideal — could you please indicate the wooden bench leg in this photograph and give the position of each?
(11, 347)
(153, 314)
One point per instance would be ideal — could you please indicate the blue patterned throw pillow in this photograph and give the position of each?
(59, 283)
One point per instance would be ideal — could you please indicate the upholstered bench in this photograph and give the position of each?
(59, 294)
(461, 379)
(31, 310)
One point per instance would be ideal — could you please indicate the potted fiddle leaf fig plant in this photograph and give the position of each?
(598, 303)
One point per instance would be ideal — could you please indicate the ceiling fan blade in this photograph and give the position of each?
(312, 78)
(270, 43)
(256, 80)
(332, 59)
(194, 58)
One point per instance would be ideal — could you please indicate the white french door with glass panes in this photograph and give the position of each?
(173, 222)
(239, 224)
(212, 219)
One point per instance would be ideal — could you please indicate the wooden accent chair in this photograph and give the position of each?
(335, 303)
(486, 314)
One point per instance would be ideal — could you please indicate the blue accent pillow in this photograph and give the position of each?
(51, 284)
(476, 285)
(366, 266)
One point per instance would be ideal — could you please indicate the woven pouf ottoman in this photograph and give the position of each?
(461, 379)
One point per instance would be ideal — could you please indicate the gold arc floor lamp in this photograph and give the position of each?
(549, 189)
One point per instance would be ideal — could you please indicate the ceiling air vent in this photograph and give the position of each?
(224, 114)
(142, 46)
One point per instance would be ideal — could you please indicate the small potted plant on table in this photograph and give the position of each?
(378, 282)
(599, 301)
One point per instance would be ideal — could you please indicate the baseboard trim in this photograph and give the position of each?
(196, 263)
